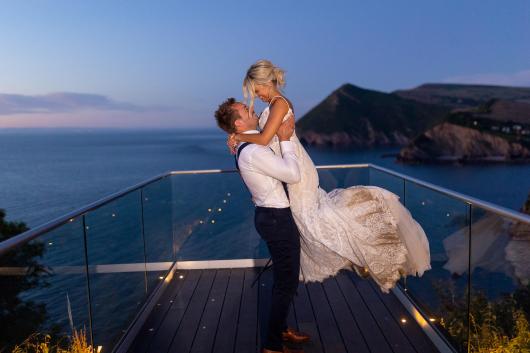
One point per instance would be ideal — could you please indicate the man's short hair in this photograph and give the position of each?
(226, 115)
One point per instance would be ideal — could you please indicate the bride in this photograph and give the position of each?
(364, 228)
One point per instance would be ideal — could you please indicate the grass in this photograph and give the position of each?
(42, 343)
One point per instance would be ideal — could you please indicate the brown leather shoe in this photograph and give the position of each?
(292, 350)
(290, 335)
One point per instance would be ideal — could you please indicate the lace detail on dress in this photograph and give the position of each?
(358, 227)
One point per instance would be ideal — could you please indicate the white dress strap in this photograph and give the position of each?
(282, 97)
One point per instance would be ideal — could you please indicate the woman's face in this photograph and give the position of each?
(263, 92)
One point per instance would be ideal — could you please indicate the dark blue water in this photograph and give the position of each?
(46, 173)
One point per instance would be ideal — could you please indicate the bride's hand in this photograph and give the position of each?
(232, 142)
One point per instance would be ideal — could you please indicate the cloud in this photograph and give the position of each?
(66, 102)
(111, 119)
(521, 78)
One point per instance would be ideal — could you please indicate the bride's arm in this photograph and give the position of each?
(278, 111)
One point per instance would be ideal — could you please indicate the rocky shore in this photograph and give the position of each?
(448, 142)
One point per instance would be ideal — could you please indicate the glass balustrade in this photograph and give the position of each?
(93, 272)
(43, 289)
(500, 283)
(441, 292)
(116, 263)
(214, 218)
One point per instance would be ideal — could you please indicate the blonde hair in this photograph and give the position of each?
(262, 72)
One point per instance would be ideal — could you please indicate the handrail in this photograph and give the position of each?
(33, 233)
(500, 210)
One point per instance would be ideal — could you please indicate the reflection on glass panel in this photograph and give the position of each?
(116, 262)
(44, 289)
(500, 282)
(342, 178)
(158, 232)
(442, 291)
(213, 218)
(388, 182)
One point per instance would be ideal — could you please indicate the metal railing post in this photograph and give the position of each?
(142, 226)
(89, 295)
(469, 282)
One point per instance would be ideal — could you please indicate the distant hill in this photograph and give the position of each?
(504, 111)
(353, 116)
(464, 96)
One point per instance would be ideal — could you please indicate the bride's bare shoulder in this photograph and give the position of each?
(282, 102)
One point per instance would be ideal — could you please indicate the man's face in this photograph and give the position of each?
(246, 121)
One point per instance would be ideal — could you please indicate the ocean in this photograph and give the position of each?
(45, 173)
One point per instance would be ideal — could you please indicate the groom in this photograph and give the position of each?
(264, 174)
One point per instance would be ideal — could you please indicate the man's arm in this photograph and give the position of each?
(284, 168)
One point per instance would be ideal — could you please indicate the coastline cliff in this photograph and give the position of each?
(355, 117)
(435, 123)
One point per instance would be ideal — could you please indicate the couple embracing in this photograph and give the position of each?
(311, 234)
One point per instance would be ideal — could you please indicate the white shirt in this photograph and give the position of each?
(263, 172)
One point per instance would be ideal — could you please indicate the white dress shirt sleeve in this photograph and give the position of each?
(283, 168)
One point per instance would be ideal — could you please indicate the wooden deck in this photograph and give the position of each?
(217, 311)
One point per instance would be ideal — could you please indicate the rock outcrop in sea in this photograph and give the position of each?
(448, 142)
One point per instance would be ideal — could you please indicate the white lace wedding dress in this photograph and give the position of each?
(364, 228)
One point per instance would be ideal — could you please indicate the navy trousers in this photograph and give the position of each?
(277, 227)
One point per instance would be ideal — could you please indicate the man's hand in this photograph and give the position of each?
(286, 129)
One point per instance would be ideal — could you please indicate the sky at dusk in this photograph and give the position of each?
(170, 63)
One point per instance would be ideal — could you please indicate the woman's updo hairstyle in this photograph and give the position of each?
(262, 72)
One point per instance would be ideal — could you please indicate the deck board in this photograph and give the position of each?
(390, 328)
(246, 335)
(227, 328)
(413, 332)
(329, 331)
(368, 325)
(161, 340)
(348, 327)
(342, 314)
(265, 295)
(158, 313)
(205, 336)
(306, 320)
(183, 338)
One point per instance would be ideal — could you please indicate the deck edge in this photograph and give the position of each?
(432, 333)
